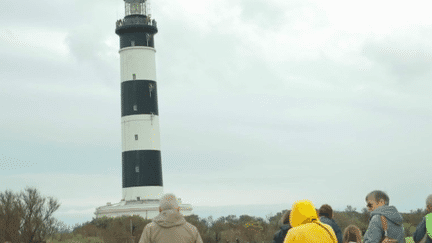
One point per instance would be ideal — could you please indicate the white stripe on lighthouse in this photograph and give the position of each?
(140, 132)
(144, 192)
(138, 60)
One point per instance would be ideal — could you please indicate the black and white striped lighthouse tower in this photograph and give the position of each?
(141, 156)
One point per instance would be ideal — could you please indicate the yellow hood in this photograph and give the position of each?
(302, 212)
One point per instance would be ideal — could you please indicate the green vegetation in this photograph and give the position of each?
(226, 229)
(72, 238)
(26, 216)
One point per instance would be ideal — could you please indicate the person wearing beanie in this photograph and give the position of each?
(170, 225)
(306, 226)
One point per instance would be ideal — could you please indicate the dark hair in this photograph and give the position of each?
(351, 233)
(326, 211)
(285, 217)
(377, 196)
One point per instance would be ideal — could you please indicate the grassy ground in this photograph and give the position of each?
(75, 239)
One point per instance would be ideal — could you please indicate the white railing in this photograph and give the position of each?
(136, 20)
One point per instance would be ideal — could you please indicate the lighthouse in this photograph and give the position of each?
(141, 156)
(142, 182)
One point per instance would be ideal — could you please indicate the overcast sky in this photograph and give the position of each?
(260, 102)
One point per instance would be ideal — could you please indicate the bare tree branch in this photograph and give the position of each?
(38, 220)
(11, 216)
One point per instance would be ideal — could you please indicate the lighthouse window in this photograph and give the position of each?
(135, 107)
(132, 43)
(136, 136)
(134, 76)
(137, 169)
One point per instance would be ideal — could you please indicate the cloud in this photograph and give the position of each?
(406, 55)
(73, 104)
(274, 15)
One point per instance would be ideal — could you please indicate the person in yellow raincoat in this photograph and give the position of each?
(306, 226)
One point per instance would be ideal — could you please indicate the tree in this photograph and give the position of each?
(208, 221)
(24, 217)
(365, 214)
(252, 228)
(217, 228)
(61, 227)
(418, 211)
(114, 232)
(37, 221)
(274, 221)
(201, 225)
(102, 222)
(11, 212)
(232, 220)
(350, 209)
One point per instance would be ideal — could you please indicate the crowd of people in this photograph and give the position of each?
(302, 224)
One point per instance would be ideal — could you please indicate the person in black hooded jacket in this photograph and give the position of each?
(326, 217)
(280, 235)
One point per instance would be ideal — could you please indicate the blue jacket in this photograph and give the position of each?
(280, 235)
(334, 226)
(375, 231)
(421, 231)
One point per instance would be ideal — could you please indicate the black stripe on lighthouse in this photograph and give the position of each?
(142, 168)
(139, 97)
(138, 38)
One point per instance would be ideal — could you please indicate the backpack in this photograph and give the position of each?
(429, 225)
(385, 238)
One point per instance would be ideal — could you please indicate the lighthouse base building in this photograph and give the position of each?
(148, 209)
(141, 156)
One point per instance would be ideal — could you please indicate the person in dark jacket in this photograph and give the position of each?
(326, 217)
(422, 229)
(280, 235)
(378, 204)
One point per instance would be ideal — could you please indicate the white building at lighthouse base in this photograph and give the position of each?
(147, 208)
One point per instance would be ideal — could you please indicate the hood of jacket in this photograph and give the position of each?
(302, 212)
(390, 212)
(169, 218)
